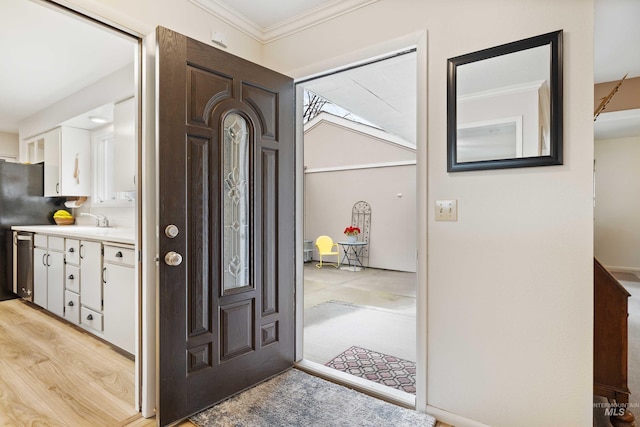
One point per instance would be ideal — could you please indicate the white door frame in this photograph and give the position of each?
(362, 57)
(145, 336)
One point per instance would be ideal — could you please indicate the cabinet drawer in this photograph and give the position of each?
(56, 243)
(72, 251)
(119, 256)
(72, 278)
(40, 240)
(72, 307)
(91, 318)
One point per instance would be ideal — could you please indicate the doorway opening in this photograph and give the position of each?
(360, 305)
(75, 82)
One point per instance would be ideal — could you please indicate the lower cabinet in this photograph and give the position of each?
(40, 270)
(91, 318)
(119, 297)
(72, 307)
(89, 283)
(48, 273)
(91, 275)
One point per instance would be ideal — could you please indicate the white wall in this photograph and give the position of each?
(330, 194)
(9, 145)
(617, 230)
(182, 16)
(510, 283)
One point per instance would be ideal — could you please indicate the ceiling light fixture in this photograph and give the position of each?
(98, 119)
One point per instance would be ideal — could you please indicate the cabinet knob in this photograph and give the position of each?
(90, 317)
(70, 304)
(118, 254)
(71, 250)
(71, 277)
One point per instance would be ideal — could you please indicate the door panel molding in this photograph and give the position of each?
(215, 342)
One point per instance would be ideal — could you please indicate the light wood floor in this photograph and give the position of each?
(52, 374)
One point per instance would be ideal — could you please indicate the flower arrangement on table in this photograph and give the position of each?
(352, 233)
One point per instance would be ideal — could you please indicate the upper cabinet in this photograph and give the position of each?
(67, 162)
(124, 150)
(35, 149)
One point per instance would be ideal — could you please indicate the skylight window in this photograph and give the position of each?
(315, 104)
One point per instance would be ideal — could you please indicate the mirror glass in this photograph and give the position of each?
(505, 106)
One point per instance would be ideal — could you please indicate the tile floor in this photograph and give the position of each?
(371, 308)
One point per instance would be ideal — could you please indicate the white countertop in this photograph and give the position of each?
(106, 234)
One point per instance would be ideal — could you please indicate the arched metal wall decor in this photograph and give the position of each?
(361, 218)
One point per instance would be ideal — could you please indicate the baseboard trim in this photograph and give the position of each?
(452, 419)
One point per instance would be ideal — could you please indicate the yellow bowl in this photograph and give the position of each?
(64, 221)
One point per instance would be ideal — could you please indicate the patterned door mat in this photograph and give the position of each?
(378, 367)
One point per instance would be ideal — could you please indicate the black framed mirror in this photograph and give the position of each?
(504, 106)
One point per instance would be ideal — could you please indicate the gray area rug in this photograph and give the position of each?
(295, 398)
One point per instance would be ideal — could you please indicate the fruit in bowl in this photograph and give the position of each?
(62, 217)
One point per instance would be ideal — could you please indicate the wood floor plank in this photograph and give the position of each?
(59, 389)
(19, 405)
(149, 422)
(53, 374)
(118, 389)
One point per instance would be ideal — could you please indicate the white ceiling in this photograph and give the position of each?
(616, 53)
(267, 14)
(617, 40)
(384, 93)
(266, 21)
(47, 55)
(617, 124)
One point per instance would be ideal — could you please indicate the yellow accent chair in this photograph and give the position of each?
(325, 247)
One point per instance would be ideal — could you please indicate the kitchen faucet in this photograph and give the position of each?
(101, 219)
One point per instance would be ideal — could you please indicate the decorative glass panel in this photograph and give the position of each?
(236, 202)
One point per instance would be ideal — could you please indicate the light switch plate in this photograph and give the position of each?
(446, 210)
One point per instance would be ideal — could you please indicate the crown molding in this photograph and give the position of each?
(505, 90)
(292, 25)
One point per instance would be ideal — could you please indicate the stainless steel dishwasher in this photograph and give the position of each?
(23, 264)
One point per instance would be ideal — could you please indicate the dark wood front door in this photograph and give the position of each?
(226, 182)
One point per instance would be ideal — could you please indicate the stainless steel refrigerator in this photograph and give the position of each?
(21, 203)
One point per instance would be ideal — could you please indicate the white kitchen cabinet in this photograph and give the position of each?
(48, 273)
(91, 275)
(67, 162)
(72, 281)
(125, 145)
(72, 307)
(119, 297)
(90, 283)
(91, 319)
(40, 276)
(55, 283)
(35, 149)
